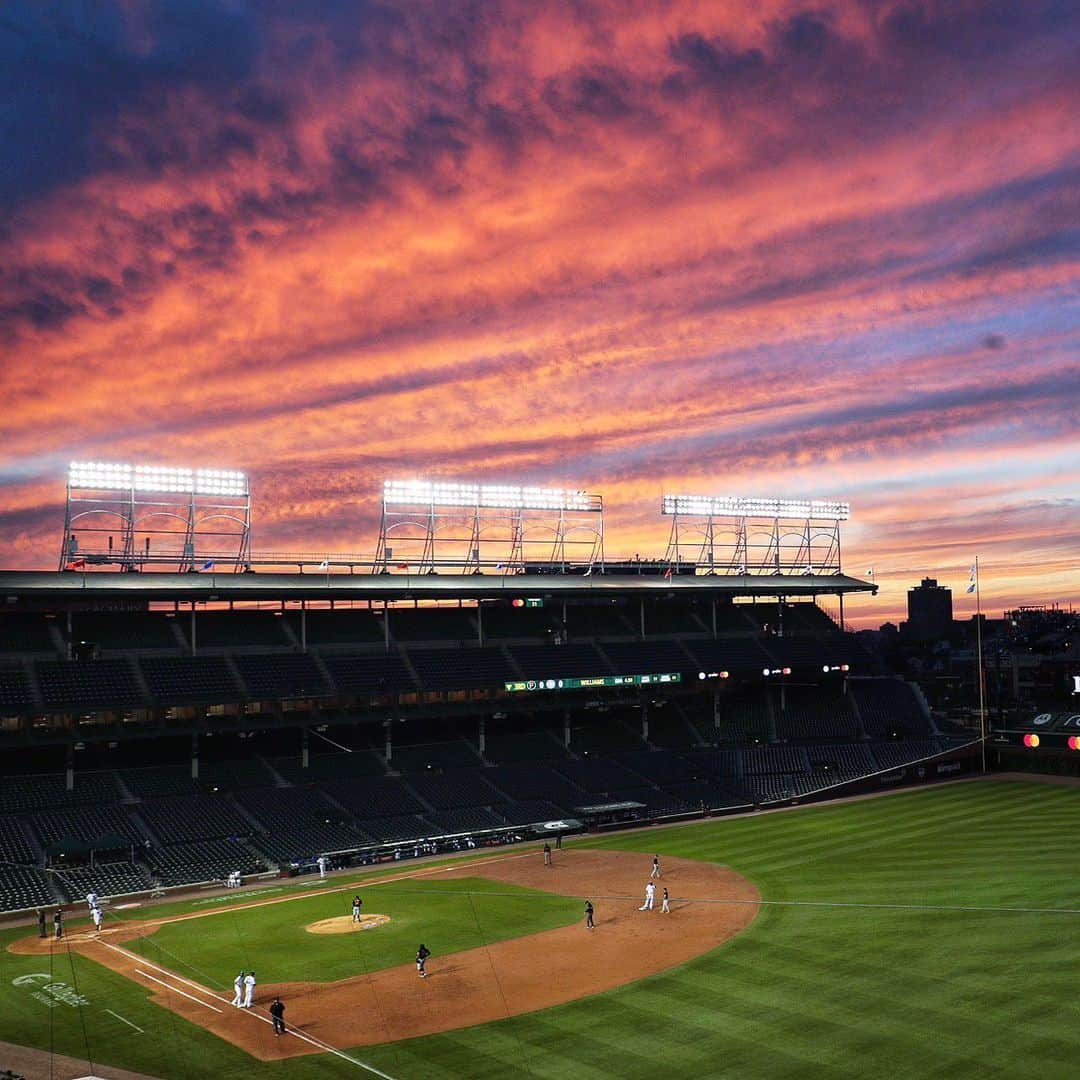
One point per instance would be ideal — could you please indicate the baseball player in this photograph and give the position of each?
(58, 923)
(650, 897)
(421, 959)
(238, 990)
(277, 1011)
(655, 866)
(665, 907)
(249, 989)
(357, 904)
(95, 914)
(547, 854)
(589, 924)
(91, 900)
(322, 863)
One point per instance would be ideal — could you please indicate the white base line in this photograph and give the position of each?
(126, 1021)
(293, 1032)
(175, 990)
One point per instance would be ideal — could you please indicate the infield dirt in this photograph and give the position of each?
(709, 905)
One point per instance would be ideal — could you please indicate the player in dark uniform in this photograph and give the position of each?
(277, 1011)
(41, 931)
(58, 923)
(421, 958)
(357, 904)
(547, 854)
(589, 924)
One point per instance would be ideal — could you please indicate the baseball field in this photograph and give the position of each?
(924, 933)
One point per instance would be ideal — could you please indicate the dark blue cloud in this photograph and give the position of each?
(69, 70)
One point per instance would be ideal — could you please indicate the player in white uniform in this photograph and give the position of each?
(95, 914)
(650, 897)
(238, 990)
(91, 900)
(249, 988)
(322, 862)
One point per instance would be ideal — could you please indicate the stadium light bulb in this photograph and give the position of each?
(742, 506)
(487, 496)
(112, 476)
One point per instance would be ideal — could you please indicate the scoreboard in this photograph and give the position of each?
(593, 682)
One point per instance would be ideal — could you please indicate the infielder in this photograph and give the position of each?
(589, 924)
(238, 990)
(357, 903)
(650, 897)
(421, 959)
(655, 866)
(547, 854)
(665, 908)
(249, 988)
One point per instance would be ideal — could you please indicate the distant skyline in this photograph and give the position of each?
(788, 249)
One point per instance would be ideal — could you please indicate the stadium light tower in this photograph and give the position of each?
(740, 535)
(468, 527)
(178, 517)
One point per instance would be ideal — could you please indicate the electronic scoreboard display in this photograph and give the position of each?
(593, 682)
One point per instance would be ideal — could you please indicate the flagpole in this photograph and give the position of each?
(978, 640)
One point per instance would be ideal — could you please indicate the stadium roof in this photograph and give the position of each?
(78, 588)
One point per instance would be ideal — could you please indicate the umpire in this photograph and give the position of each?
(277, 1011)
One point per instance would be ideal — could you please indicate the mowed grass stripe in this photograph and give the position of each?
(804, 992)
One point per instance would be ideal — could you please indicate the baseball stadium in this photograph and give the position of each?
(381, 790)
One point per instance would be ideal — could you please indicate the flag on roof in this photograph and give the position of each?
(76, 564)
(667, 573)
(402, 566)
(324, 565)
(208, 565)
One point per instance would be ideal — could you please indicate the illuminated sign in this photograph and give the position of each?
(1031, 740)
(592, 682)
(528, 601)
(1075, 684)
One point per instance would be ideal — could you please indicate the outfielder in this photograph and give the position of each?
(238, 990)
(249, 989)
(650, 897)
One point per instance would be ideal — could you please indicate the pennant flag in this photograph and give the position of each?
(208, 565)
(402, 566)
(667, 573)
(970, 588)
(870, 572)
(974, 572)
(500, 566)
(324, 565)
(76, 564)
(588, 572)
(742, 568)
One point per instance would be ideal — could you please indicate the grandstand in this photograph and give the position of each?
(176, 745)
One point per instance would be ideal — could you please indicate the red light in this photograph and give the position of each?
(724, 675)
(517, 603)
(844, 667)
(1031, 740)
(787, 671)
(1074, 742)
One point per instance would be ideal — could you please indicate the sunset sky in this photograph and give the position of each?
(822, 249)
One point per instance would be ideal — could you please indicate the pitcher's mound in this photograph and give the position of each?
(344, 924)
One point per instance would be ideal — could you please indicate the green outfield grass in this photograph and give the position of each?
(818, 986)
